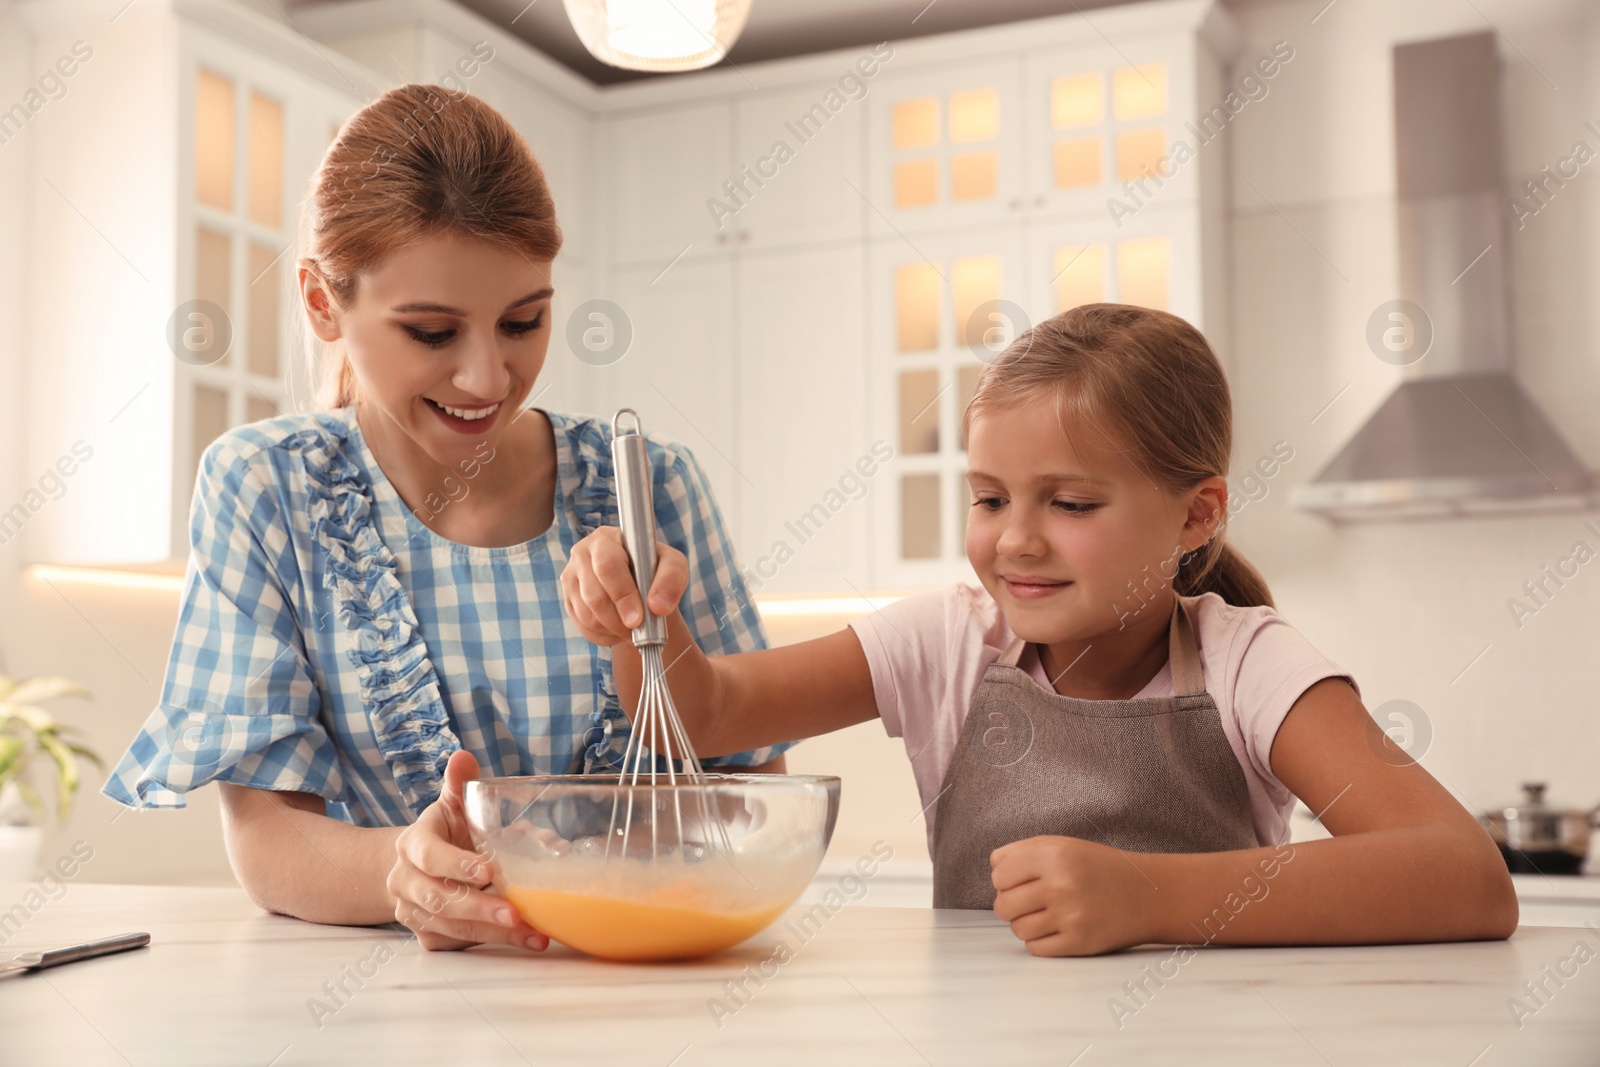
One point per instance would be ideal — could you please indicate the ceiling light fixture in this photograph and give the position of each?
(658, 35)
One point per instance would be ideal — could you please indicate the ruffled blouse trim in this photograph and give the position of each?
(588, 485)
(588, 479)
(398, 686)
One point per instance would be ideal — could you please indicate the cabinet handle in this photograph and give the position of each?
(744, 236)
(1016, 203)
(722, 238)
(1038, 201)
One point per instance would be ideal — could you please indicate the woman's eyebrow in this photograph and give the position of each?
(445, 309)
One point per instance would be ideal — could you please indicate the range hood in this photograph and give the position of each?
(1459, 435)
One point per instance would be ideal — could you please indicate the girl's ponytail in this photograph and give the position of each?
(1227, 574)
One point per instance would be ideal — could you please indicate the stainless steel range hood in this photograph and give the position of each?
(1459, 435)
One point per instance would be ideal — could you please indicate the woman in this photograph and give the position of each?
(372, 610)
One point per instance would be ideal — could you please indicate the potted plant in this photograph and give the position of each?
(28, 732)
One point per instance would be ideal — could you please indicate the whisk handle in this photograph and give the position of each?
(637, 516)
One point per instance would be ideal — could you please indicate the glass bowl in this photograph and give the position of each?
(641, 873)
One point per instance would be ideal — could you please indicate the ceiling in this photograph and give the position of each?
(777, 28)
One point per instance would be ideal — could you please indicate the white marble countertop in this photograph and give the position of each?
(223, 983)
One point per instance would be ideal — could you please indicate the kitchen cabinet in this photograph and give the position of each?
(169, 180)
(797, 171)
(1065, 228)
(663, 165)
(983, 171)
(940, 308)
(943, 305)
(1099, 115)
(767, 170)
(945, 146)
(1153, 260)
(755, 361)
(804, 442)
(250, 135)
(849, 296)
(886, 250)
(679, 370)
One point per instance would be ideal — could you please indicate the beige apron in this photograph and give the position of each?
(1151, 775)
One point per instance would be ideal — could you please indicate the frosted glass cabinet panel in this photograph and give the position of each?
(240, 243)
(1100, 116)
(266, 161)
(944, 149)
(914, 123)
(918, 303)
(253, 132)
(941, 319)
(1153, 261)
(214, 141)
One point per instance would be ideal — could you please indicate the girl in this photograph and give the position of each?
(1110, 733)
(370, 612)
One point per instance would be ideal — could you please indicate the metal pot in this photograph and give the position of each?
(1535, 839)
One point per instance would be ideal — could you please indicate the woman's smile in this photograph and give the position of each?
(466, 419)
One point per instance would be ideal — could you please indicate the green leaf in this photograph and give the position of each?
(35, 719)
(43, 687)
(11, 750)
(87, 753)
(66, 773)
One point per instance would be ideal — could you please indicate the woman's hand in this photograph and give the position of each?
(600, 593)
(1067, 897)
(437, 880)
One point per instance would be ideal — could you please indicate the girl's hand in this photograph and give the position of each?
(599, 591)
(1067, 897)
(438, 881)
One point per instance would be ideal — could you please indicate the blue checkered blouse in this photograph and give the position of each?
(331, 643)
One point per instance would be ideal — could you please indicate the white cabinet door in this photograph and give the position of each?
(1111, 130)
(804, 441)
(665, 166)
(944, 148)
(678, 372)
(797, 172)
(939, 310)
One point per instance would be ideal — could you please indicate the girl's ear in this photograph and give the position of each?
(318, 303)
(1208, 509)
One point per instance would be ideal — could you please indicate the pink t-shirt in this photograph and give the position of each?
(928, 654)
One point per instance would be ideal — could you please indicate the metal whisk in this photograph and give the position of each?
(657, 729)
